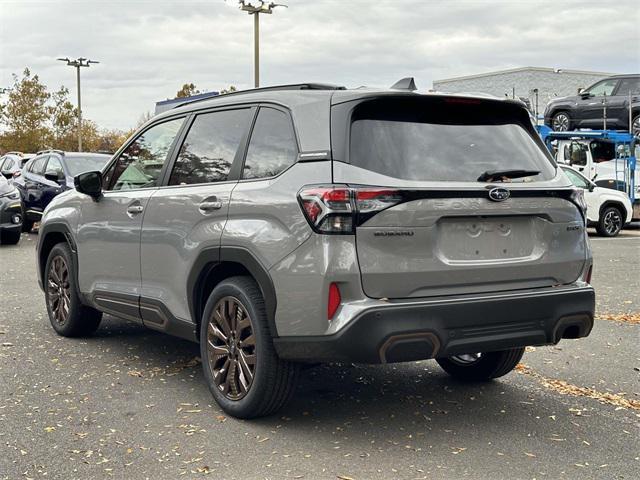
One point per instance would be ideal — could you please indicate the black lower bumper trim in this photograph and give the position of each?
(408, 332)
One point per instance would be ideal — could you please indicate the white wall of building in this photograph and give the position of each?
(549, 82)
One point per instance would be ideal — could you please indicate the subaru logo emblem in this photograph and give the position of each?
(499, 194)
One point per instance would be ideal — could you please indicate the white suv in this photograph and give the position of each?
(607, 209)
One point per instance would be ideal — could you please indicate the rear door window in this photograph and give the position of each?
(37, 166)
(210, 147)
(273, 147)
(54, 165)
(413, 141)
(629, 86)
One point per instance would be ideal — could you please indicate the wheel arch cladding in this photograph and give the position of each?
(618, 205)
(49, 236)
(214, 265)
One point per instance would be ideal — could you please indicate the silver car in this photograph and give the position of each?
(311, 223)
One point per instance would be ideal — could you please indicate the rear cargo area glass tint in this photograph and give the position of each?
(414, 139)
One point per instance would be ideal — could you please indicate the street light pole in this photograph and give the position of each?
(256, 49)
(77, 63)
(262, 7)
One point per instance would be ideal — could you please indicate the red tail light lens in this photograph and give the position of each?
(337, 208)
(334, 300)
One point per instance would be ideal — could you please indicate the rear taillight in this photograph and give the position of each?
(17, 174)
(339, 209)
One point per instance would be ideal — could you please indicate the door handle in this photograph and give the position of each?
(209, 206)
(134, 209)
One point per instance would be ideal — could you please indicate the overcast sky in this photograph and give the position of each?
(148, 48)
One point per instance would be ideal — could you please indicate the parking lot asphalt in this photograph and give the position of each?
(132, 403)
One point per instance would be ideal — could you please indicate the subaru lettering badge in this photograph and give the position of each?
(498, 194)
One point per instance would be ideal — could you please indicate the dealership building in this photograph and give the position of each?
(523, 82)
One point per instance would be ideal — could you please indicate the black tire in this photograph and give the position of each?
(487, 366)
(10, 238)
(635, 128)
(561, 121)
(610, 222)
(80, 320)
(273, 380)
(27, 225)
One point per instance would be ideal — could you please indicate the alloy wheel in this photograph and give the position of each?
(58, 290)
(231, 348)
(561, 122)
(636, 126)
(612, 222)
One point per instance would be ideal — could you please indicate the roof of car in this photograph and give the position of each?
(308, 103)
(294, 95)
(70, 154)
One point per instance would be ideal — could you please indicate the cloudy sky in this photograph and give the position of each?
(148, 48)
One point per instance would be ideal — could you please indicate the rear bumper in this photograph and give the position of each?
(407, 331)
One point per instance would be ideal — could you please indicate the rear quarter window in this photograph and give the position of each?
(418, 140)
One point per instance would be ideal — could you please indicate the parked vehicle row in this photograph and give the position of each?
(48, 174)
(311, 223)
(12, 163)
(10, 213)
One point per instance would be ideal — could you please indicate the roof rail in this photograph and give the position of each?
(293, 86)
(50, 150)
(15, 153)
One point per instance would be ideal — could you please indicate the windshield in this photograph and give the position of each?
(78, 165)
(458, 144)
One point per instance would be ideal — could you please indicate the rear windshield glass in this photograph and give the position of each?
(78, 165)
(424, 141)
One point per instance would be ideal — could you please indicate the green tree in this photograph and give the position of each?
(187, 90)
(228, 90)
(25, 114)
(63, 116)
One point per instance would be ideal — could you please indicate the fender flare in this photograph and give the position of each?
(45, 230)
(210, 258)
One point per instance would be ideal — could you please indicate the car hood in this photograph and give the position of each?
(5, 187)
(561, 99)
(611, 193)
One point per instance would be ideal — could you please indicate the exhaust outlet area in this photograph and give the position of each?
(409, 347)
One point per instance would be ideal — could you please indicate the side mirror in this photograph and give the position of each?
(580, 90)
(592, 187)
(89, 183)
(54, 176)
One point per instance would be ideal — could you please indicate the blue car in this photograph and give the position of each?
(48, 174)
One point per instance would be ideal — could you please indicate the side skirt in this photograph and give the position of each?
(150, 313)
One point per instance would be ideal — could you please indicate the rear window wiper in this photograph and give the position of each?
(498, 175)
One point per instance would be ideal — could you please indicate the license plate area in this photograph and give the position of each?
(485, 239)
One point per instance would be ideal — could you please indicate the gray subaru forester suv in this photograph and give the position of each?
(311, 223)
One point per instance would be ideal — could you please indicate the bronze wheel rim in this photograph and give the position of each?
(231, 348)
(58, 290)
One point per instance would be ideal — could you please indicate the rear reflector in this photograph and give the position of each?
(334, 300)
